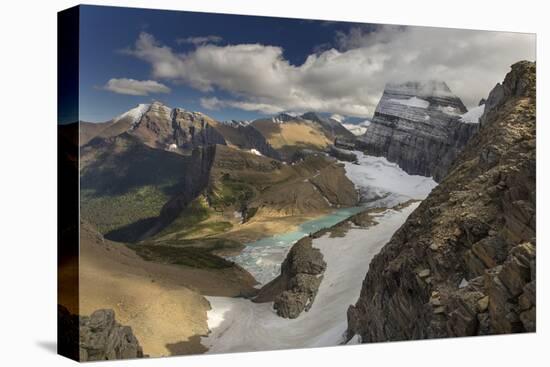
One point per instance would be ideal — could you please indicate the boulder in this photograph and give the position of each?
(295, 289)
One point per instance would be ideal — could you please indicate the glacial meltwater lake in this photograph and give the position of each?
(263, 258)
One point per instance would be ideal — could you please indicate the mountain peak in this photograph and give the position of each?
(429, 88)
(312, 116)
(284, 117)
(135, 114)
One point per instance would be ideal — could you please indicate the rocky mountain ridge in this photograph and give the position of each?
(464, 263)
(179, 130)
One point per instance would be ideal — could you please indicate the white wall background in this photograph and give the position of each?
(28, 181)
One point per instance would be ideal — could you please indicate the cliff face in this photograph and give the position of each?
(192, 129)
(464, 261)
(245, 136)
(198, 168)
(418, 126)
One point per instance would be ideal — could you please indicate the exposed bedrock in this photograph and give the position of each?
(417, 125)
(99, 337)
(192, 129)
(464, 262)
(342, 154)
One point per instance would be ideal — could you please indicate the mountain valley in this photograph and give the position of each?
(268, 226)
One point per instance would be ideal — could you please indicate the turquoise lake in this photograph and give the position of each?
(263, 258)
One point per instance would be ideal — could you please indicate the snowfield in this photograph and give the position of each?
(412, 102)
(239, 325)
(376, 177)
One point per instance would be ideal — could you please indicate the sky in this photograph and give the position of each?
(246, 67)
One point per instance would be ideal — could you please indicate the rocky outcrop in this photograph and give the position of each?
(97, 337)
(417, 125)
(193, 129)
(295, 289)
(342, 154)
(102, 338)
(464, 261)
(245, 136)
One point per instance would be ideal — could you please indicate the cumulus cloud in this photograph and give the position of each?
(135, 87)
(199, 40)
(214, 103)
(347, 81)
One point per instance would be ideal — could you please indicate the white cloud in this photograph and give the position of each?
(348, 81)
(200, 40)
(214, 103)
(135, 87)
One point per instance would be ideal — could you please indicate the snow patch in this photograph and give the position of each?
(359, 128)
(472, 116)
(412, 102)
(355, 340)
(356, 130)
(236, 123)
(376, 177)
(135, 114)
(449, 110)
(337, 117)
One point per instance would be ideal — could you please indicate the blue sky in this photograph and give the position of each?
(244, 67)
(105, 31)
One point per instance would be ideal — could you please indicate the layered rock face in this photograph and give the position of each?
(464, 261)
(417, 125)
(295, 289)
(99, 337)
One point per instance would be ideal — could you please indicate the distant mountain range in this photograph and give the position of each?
(178, 130)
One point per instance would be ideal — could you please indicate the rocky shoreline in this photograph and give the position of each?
(294, 290)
